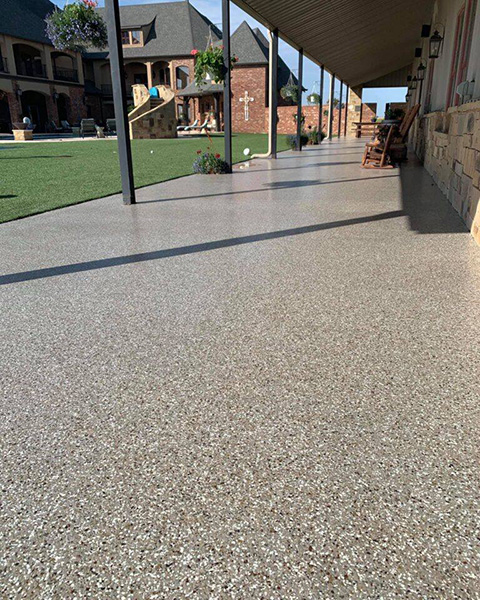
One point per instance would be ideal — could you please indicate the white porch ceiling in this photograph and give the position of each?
(358, 40)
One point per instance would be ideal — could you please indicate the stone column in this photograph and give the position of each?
(79, 62)
(10, 56)
(48, 62)
(354, 109)
(149, 66)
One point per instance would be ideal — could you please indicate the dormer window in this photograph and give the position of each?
(132, 37)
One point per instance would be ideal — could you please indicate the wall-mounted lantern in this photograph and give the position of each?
(422, 67)
(436, 42)
(56, 96)
(413, 85)
(19, 93)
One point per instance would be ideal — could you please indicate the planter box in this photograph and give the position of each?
(22, 135)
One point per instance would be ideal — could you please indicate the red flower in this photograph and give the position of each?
(194, 52)
(90, 3)
(199, 151)
(217, 155)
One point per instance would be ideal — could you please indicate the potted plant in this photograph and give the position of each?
(77, 27)
(209, 63)
(313, 98)
(292, 140)
(209, 163)
(289, 92)
(314, 136)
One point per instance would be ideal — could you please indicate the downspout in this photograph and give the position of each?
(271, 99)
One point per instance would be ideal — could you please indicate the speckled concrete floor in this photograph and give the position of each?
(259, 386)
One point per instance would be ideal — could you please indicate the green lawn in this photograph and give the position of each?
(38, 177)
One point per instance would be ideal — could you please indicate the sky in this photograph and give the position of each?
(311, 72)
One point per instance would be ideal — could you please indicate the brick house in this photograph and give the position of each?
(35, 79)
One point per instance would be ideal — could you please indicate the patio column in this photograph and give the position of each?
(340, 110)
(216, 109)
(273, 92)
(355, 108)
(320, 104)
(227, 86)
(299, 103)
(330, 106)
(346, 112)
(112, 14)
(149, 74)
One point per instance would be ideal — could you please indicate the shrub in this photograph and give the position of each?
(77, 26)
(208, 163)
(292, 140)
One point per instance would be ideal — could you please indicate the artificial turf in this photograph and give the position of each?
(38, 177)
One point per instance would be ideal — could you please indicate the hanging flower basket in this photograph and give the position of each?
(77, 27)
(289, 92)
(209, 63)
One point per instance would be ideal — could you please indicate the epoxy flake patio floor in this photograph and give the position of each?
(262, 385)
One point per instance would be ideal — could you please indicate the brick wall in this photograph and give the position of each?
(78, 109)
(254, 81)
(287, 124)
(449, 144)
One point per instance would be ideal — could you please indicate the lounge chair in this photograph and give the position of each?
(111, 127)
(192, 126)
(203, 126)
(52, 127)
(88, 127)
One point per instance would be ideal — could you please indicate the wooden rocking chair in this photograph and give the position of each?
(397, 146)
(377, 156)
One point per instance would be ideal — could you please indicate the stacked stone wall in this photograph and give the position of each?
(449, 144)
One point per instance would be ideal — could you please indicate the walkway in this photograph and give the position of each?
(254, 386)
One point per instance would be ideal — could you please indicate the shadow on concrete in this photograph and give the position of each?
(183, 250)
(427, 209)
(273, 186)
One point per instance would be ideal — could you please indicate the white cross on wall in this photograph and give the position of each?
(246, 99)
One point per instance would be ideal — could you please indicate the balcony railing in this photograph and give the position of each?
(106, 89)
(34, 69)
(65, 74)
(3, 65)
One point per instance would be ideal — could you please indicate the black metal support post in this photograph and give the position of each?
(112, 17)
(346, 111)
(340, 110)
(331, 107)
(299, 104)
(227, 87)
(216, 110)
(274, 93)
(320, 104)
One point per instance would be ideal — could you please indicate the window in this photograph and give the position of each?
(136, 38)
(461, 50)
(132, 37)
(182, 77)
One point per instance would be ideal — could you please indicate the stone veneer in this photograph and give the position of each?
(152, 118)
(449, 144)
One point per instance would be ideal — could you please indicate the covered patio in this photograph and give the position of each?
(264, 381)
